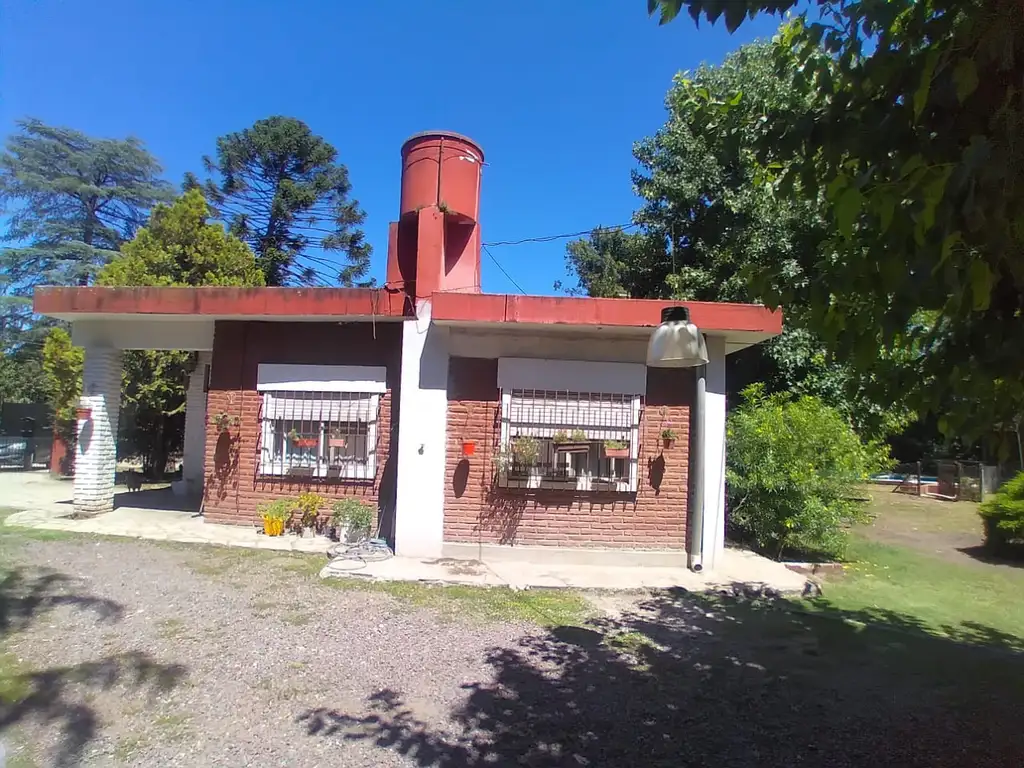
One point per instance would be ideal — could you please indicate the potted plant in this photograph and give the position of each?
(576, 442)
(668, 437)
(355, 516)
(274, 515)
(337, 440)
(616, 449)
(469, 447)
(308, 506)
(82, 413)
(525, 451)
(224, 421)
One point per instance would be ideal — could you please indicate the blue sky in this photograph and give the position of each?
(555, 92)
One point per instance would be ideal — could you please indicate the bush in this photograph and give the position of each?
(1003, 517)
(355, 515)
(792, 470)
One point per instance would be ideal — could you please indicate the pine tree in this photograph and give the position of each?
(280, 188)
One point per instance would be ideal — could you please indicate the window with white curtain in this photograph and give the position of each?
(319, 421)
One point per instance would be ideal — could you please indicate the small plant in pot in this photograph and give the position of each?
(274, 515)
(352, 518)
(668, 438)
(525, 453)
(308, 506)
(224, 421)
(616, 449)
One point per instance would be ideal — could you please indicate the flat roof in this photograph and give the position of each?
(741, 324)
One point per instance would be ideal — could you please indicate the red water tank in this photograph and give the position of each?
(442, 168)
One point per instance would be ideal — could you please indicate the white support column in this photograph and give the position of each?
(422, 437)
(96, 452)
(713, 543)
(194, 450)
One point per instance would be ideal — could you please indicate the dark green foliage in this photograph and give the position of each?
(914, 144)
(1003, 517)
(708, 226)
(68, 201)
(178, 247)
(281, 190)
(793, 467)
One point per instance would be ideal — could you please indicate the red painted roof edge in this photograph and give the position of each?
(210, 301)
(510, 308)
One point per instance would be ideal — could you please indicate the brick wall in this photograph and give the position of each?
(479, 512)
(232, 485)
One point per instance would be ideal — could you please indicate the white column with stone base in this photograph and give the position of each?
(193, 460)
(96, 451)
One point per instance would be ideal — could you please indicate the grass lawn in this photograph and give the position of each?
(909, 570)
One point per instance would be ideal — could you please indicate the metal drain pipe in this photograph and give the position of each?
(695, 515)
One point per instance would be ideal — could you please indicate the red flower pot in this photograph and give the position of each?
(669, 442)
(468, 448)
(83, 413)
(306, 442)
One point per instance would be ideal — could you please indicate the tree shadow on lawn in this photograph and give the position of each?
(1010, 556)
(687, 679)
(59, 696)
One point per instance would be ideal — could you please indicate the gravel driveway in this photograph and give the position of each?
(133, 653)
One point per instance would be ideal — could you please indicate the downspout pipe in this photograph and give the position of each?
(695, 512)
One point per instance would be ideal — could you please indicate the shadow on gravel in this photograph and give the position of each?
(59, 696)
(685, 679)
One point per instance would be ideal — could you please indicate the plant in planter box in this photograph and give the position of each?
(224, 421)
(668, 437)
(616, 449)
(274, 515)
(525, 450)
(308, 505)
(355, 516)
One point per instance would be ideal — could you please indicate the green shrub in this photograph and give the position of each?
(793, 465)
(355, 515)
(1003, 517)
(279, 509)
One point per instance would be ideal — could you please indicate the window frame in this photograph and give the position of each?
(274, 378)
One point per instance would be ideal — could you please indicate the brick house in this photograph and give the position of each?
(477, 424)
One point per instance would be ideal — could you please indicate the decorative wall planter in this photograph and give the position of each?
(305, 442)
(83, 413)
(337, 442)
(616, 453)
(468, 448)
(668, 442)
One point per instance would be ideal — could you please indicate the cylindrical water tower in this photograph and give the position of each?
(441, 172)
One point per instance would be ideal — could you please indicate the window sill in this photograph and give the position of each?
(577, 485)
(363, 475)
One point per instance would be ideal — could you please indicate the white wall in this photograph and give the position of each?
(138, 332)
(194, 450)
(422, 437)
(563, 346)
(714, 458)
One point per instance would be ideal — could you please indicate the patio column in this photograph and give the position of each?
(713, 534)
(193, 460)
(96, 452)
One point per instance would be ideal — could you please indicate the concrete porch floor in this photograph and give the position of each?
(43, 502)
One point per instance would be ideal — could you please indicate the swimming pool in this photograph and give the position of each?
(892, 477)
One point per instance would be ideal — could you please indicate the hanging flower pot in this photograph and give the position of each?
(468, 447)
(668, 438)
(83, 413)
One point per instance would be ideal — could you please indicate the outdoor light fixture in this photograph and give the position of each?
(676, 343)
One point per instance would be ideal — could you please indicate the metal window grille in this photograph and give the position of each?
(602, 424)
(319, 434)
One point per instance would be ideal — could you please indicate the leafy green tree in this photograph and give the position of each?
(792, 468)
(62, 371)
(281, 189)
(1003, 518)
(179, 247)
(67, 201)
(708, 227)
(914, 144)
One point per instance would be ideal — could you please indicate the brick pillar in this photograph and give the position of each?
(96, 452)
(193, 459)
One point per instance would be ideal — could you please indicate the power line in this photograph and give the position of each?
(564, 236)
(506, 274)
